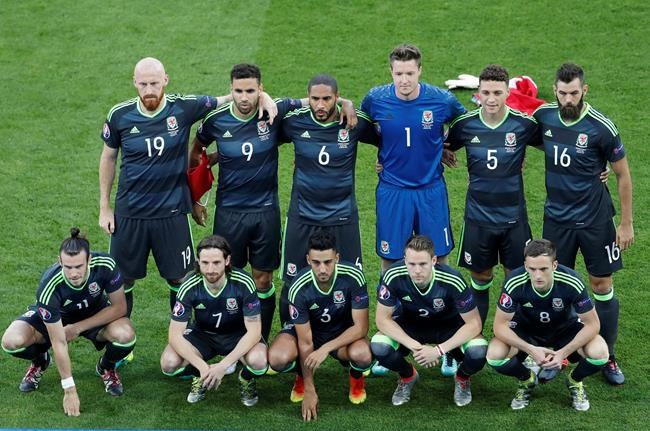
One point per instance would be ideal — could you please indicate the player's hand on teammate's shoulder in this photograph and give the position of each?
(267, 105)
(71, 402)
(310, 406)
(348, 114)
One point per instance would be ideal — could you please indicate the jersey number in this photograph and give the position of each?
(325, 318)
(544, 317)
(613, 253)
(247, 150)
(408, 136)
(323, 156)
(492, 159)
(158, 146)
(563, 159)
(423, 312)
(218, 316)
(83, 304)
(186, 255)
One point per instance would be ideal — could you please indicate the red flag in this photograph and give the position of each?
(200, 178)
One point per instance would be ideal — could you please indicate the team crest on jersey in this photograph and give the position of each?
(178, 310)
(291, 269)
(263, 130)
(172, 126)
(344, 138)
(93, 289)
(505, 300)
(339, 298)
(511, 141)
(293, 312)
(582, 141)
(468, 258)
(45, 315)
(29, 313)
(384, 293)
(558, 305)
(231, 304)
(427, 119)
(106, 132)
(438, 303)
(385, 247)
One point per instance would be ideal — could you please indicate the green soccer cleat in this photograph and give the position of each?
(248, 392)
(197, 393)
(579, 398)
(522, 396)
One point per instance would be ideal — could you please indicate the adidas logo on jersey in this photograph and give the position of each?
(314, 307)
(528, 305)
(200, 307)
(407, 298)
(475, 140)
(134, 130)
(67, 302)
(227, 134)
(548, 133)
(305, 135)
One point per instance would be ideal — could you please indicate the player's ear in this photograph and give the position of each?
(337, 258)
(166, 80)
(554, 265)
(585, 88)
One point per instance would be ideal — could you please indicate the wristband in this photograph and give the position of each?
(67, 383)
(440, 351)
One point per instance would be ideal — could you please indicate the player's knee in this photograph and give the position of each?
(174, 283)
(263, 280)
(381, 349)
(13, 340)
(279, 359)
(476, 353)
(597, 348)
(169, 364)
(601, 285)
(482, 277)
(496, 350)
(256, 359)
(361, 355)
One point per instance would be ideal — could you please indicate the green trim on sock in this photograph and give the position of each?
(354, 367)
(267, 294)
(480, 287)
(605, 297)
(597, 362)
(173, 287)
(288, 369)
(381, 338)
(14, 351)
(498, 362)
(129, 344)
(473, 342)
(175, 373)
(256, 372)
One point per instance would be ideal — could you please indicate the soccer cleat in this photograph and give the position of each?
(111, 379)
(248, 392)
(579, 398)
(379, 370)
(522, 396)
(33, 375)
(231, 369)
(402, 393)
(357, 394)
(448, 366)
(197, 392)
(298, 390)
(124, 361)
(613, 373)
(462, 391)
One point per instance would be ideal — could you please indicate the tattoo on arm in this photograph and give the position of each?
(254, 318)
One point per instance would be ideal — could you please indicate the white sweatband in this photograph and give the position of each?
(67, 383)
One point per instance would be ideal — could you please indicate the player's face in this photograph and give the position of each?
(245, 93)
(75, 268)
(493, 95)
(323, 263)
(406, 77)
(570, 98)
(420, 266)
(322, 101)
(212, 264)
(150, 83)
(540, 269)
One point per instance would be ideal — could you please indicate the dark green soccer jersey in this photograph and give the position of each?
(445, 298)
(153, 180)
(545, 313)
(221, 314)
(328, 313)
(248, 156)
(57, 299)
(325, 159)
(495, 157)
(576, 154)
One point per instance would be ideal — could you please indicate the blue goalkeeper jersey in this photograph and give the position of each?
(412, 133)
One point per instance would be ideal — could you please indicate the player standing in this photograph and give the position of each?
(578, 143)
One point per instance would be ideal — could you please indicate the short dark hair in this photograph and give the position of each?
(540, 247)
(405, 52)
(245, 71)
(75, 244)
(420, 243)
(494, 72)
(214, 241)
(323, 79)
(568, 72)
(322, 240)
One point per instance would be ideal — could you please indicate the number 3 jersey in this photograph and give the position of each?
(57, 299)
(548, 312)
(446, 297)
(328, 313)
(218, 314)
(248, 156)
(153, 181)
(576, 154)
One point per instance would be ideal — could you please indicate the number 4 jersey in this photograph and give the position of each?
(153, 182)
